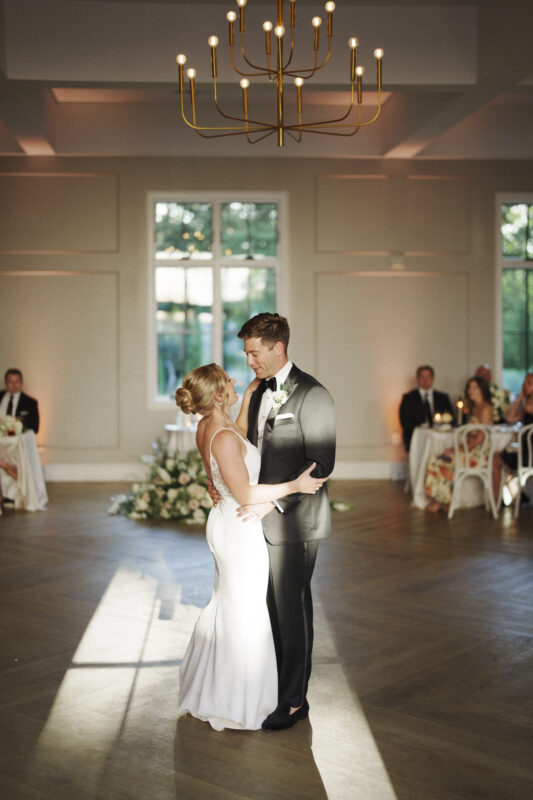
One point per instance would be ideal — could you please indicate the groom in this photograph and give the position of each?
(291, 419)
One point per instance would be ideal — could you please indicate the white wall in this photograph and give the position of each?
(73, 277)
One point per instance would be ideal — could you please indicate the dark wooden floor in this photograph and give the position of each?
(423, 664)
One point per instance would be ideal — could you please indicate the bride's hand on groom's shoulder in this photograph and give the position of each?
(254, 511)
(250, 389)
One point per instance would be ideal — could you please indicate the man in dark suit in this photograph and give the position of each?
(15, 403)
(419, 406)
(292, 421)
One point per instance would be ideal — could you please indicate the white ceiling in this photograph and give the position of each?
(99, 77)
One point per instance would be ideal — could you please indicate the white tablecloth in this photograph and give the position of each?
(29, 490)
(429, 442)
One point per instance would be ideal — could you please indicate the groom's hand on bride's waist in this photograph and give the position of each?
(215, 496)
(254, 511)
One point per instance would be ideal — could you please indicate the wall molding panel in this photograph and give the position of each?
(66, 342)
(368, 346)
(62, 213)
(379, 214)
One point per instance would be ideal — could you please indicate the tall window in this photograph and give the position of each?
(517, 291)
(215, 263)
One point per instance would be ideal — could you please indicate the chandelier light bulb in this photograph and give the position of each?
(298, 81)
(378, 53)
(231, 16)
(267, 26)
(212, 41)
(279, 31)
(181, 59)
(191, 73)
(330, 7)
(353, 42)
(241, 3)
(360, 71)
(245, 83)
(316, 22)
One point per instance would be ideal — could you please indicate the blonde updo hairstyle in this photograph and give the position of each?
(197, 393)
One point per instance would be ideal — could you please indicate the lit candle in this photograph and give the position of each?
(460, 405)
(436, 419)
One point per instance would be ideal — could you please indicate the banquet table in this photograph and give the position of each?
(429, 442)
(28, 491)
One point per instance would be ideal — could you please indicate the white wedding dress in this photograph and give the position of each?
(228, 675)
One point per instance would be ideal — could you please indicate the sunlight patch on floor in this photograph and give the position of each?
(125, 669)
(344, 748)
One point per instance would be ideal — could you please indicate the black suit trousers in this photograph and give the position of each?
(290, 606)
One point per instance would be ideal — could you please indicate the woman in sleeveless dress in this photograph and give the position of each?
(440, 471)
(228, 675)
(520, 411)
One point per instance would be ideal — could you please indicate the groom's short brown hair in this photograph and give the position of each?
(270, 328)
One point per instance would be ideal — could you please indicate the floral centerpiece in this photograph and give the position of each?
(10, 426)
(176, 488)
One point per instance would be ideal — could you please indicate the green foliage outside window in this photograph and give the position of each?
(517, 293)
(245, 292)
(183, 230)
(249, 230)
(517, 230)
(184, 298)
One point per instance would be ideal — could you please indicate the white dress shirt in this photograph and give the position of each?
(267, 401)
(5, 402)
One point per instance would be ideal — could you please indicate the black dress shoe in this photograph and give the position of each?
(282, 718)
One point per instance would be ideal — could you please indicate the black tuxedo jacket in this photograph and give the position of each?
(27, 411)
(297, 433)
(412, 411)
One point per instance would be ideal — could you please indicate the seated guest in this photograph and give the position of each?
(500, 398)
(14, 403)
(441, 469)
(520, 411)
(419, 406)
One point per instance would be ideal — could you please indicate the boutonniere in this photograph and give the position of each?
(280, 397)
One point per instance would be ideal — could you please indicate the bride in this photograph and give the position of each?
(228, 675)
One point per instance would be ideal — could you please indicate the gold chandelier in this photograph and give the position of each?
(278, 73)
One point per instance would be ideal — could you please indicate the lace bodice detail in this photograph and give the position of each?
(252, 460)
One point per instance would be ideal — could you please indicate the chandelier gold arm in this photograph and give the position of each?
(244, 119)
(227, 130)
(255, 130)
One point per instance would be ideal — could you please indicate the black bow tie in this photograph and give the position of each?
(270, 383)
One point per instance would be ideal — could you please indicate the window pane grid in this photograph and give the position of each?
(200, 309)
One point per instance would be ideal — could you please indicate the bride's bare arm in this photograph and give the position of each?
(227, 449)
(242, 419)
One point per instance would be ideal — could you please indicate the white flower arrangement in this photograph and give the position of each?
(10, 426)
(501, 400)
(176, 489)
(338, 505)
(280, 397)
